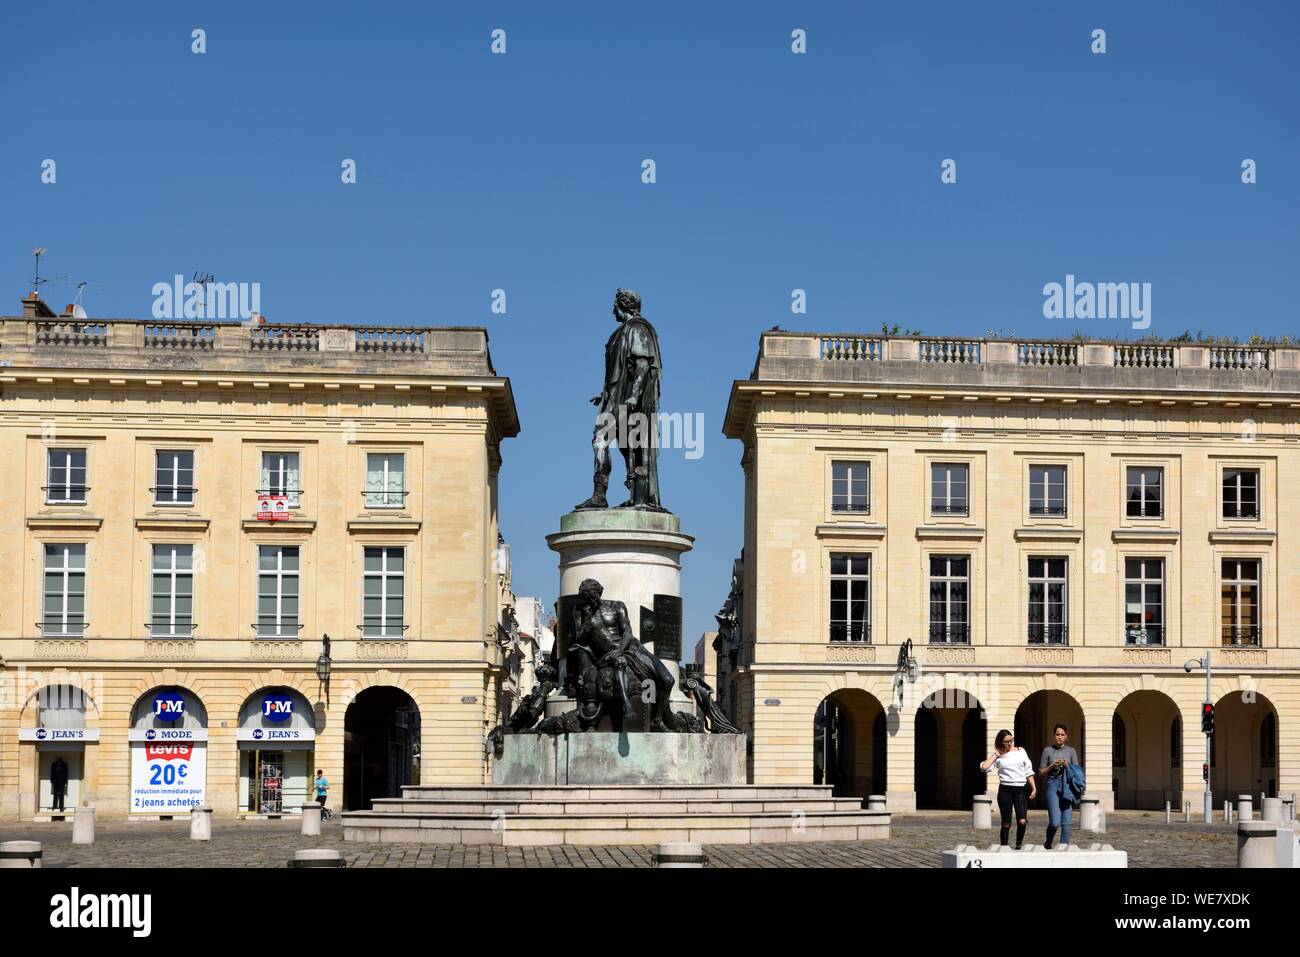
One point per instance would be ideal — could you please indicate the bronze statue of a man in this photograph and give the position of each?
(602, 630)
(629, 408)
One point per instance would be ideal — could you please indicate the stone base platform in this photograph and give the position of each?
(615, 814)
(597, 758)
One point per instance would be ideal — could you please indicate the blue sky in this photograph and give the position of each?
(775, 171)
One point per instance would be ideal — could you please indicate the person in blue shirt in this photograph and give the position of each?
(322, 792)
(1060, 807)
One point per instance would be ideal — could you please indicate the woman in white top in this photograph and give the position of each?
(1015, 778)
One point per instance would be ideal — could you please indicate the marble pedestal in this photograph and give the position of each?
(634, 554)
(600, 758)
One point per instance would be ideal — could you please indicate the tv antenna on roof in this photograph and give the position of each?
(78, 308)
(37, 279)
(201, 279)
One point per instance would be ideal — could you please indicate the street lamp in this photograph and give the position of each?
(323, 665)
(1209, 734)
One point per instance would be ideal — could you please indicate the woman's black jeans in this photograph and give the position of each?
(1013, 797)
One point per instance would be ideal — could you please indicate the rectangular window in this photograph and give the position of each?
(1239, 601)
(63, 611)
(1144, 601)
(172, 614)
(949, 599)
(383, 593)
(1241, 493)
(1143, 492)
(65, 479)
(1047, 601)
(277, 591)
(851, 487)
(280, 475)
(949, 485)
(850, 597)
(385, 480)
(1047, 490)
(173, 478)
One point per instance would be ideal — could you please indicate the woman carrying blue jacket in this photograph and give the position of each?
(1057, 792)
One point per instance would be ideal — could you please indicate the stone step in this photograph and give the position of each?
(616, 792)
(599, 806)
(588, 829)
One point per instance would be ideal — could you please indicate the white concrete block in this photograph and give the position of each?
(1036, 856)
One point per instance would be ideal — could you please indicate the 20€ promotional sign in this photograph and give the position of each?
(167, 777)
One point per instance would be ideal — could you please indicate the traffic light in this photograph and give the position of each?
(1207, 718)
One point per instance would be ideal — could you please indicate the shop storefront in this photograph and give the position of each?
(60, 737)
(277, 740)
(169, 753)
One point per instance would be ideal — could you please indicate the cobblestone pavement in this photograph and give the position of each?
(916, 841)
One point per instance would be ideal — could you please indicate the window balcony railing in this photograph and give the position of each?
(382, 630)
(180, 494)
(388, 498)
(938, 508)
(170, 629)
(842, 633)
(1150, 635)
(855, 508)
(1047, 511)
(1247, 636)
(65, 494)
(950, 634)
(62, 629)
(283, 630)
(1040, 634)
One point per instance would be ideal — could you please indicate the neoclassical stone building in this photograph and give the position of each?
(188, 509)
(1056, 527)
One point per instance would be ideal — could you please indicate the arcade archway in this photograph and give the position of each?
(381, 746)
(849, 743)
(1035, 725)
(1146, 752)
(1245, 747)
(951, 740)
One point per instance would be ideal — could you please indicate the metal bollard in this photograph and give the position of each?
(982, 813)
(1169, 819)
(200, 824)
(83, 825)
(1243, 807)
(1227, 811)
(679, 855)
(1187, 812)
(20, 854)
(317, 857)
(311, 820)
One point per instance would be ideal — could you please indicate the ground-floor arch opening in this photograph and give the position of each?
(1146, 752)
(1244, 747)
(951, 740)
(381, 746)
(849, 743)
(1035, 728)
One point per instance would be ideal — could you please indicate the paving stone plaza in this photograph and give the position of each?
(916, 841)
